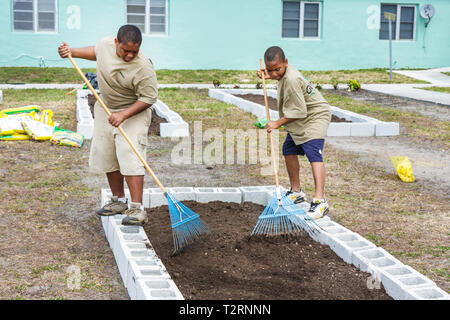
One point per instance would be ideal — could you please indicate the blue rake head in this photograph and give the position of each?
(282, 216)
(186, 224)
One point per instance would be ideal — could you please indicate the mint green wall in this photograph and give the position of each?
(233, 34)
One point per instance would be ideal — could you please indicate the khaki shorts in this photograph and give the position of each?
(110, 151)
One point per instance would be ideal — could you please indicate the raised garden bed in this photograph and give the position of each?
(356, 124)
(229, 264)
(170, 123)
(273, 104)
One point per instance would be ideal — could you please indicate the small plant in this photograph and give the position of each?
(353, 85)
(318, 86)
(258, 85)
(216, 83)
(335, 83)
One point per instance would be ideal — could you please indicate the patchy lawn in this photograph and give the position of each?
(437, 89)
(69, 75)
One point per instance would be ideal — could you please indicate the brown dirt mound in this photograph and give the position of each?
(229, 264)
(257, 98)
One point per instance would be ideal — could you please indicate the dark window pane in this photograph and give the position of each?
(388, 8)
(407, 31)
(311, 28)
(157, 28)
(157, 10)
(157, 19)
(290, 33)
(133, 19)
(136, 9)
(23, 16)
(311, 11)
(23, 5)
(46, 5)
(407, 14)
(22, 25)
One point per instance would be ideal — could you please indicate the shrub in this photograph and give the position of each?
(353, 85)
(335, 83)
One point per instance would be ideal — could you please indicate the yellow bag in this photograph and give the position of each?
(38, 130)
(26, 109)
(15, 137)
(12, 124)
(404, 168)
(45, 116)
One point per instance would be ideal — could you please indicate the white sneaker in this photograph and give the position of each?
(296, 197)
(318, 209)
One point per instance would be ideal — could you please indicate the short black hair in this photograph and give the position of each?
(274, 53)
(129, 33)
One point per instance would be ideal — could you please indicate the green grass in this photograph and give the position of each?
(446, 73)
(438, 89)
(69, 75)
(418, 127)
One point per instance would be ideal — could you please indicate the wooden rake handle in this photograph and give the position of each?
(147, 167)
(275, 171)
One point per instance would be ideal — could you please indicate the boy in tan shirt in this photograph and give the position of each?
(128, 86)
(305, 115)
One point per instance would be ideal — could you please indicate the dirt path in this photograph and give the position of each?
(431, 164)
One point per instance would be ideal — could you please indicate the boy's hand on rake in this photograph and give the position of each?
(261, 72)
(272, 125)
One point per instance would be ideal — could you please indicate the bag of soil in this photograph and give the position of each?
(26, 109)
(12, 124)
(38, 130)
(63, 137)
(404, 168)
(15, 137)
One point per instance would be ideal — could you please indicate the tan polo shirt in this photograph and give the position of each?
(297, 98)
(123, 83)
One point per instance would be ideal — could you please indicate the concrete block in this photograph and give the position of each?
(387, 129)
(339, 129)
(175, 129)
(86, 128)
(255, 194)
(427, 293)
(204, 195)
(231, 194)
(362, 129)
(156, 198)
(399, 287)
(147, 269)
(126, 251)
(344, 244)
(364, 260)
(157, 289)
(183, 193)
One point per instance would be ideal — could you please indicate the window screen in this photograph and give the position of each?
(291, 19)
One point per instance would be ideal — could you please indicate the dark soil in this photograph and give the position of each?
(229, 264)
(154, 125)
(273, 104)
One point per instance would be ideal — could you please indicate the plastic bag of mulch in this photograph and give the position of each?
(12, 124)
(38, 130)
(15, 137)
(63, 137)
(404, 168)
(26, 109)
(45, 116)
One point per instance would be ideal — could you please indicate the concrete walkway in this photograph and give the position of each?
(412, 91)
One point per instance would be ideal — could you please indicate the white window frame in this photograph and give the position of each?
(35, 19)
(147, 19)
(397, 20)
(302, 20)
